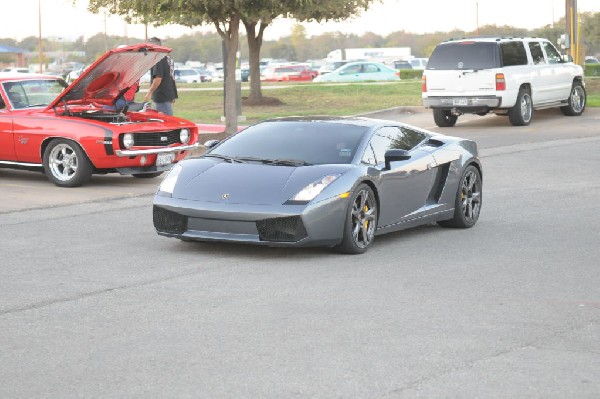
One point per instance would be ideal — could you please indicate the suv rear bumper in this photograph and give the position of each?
(466, 103)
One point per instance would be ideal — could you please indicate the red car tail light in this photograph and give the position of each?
(500, 82)
(424, 84)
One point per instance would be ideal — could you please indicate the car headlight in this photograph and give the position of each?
(168, 183)
(309, 192)
(128, 140)
(184, 136)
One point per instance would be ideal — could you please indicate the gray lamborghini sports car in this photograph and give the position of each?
(311, 181)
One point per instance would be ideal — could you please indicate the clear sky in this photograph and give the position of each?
(62, 19)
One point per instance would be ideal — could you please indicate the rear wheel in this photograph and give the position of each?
(65, 163)
(361, 221)
(467, 204)
(576, 102)
(522, 112)
(444, 118)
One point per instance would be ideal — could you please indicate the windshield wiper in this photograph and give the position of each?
(278, 162)
(225, 158)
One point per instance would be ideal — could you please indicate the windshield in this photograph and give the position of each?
(33, 93)
(464, 55)
(294, 143)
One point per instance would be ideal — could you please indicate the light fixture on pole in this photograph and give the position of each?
(40, 35)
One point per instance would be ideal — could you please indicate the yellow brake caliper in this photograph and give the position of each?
(366, 224)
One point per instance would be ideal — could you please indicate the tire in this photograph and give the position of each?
(444, 118)
(576, 101)
(65, 163)
(522, 112)
(467, 204)
(147, 175)
(361, 221)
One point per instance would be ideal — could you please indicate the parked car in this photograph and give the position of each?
(15, 70)
(507, 76)
(187, 75)
(71, 76)
(360, 72)
(418, 63)
(245, 73)
(402, 65)
(287, 73)
(146, 78)
(70, 131)
(320, 181)
(591, 60)
(330, 66)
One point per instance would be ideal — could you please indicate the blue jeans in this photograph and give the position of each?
(165, 108)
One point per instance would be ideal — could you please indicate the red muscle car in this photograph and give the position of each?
(73, 131)
(288, 73)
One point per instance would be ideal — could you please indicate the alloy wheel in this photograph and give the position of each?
(470, 196)
(364, 212)
(63, 162)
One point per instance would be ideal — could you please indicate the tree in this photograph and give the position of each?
(261, 14)
(225, 15)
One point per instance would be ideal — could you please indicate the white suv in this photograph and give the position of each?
(507, 76)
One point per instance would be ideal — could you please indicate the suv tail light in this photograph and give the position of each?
(500, 82)
(424, 84)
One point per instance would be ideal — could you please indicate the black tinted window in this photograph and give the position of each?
(536, 53)
(464, 55)
(314, 142)
(513, 53)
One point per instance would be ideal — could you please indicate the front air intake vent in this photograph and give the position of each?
(285, 229)
(166, 221)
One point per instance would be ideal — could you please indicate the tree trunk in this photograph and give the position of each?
(254, 45)
(230, 37)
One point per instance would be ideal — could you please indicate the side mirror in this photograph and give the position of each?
(395, 155)
(567, 58)
(211, 143)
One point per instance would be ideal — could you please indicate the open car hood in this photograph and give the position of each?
(112, 74)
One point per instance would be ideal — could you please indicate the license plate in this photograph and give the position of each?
(165, 159)
(459, 101)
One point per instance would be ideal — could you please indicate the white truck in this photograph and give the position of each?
(507, 76)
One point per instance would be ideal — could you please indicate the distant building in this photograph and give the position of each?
(19, 53)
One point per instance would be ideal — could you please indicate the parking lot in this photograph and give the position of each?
(93, 303)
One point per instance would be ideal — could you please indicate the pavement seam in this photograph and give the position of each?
(471, 364)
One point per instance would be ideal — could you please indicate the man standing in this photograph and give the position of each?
(162, 87)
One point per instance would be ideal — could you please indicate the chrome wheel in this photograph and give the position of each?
(364, 214)
(577, 99)
(526, 107)
(63, 162)
(66, 164)
(470, 197)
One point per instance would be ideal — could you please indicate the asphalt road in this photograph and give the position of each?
(94, 304)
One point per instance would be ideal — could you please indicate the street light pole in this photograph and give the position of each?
(40, 34)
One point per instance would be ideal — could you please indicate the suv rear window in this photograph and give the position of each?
(464, 55)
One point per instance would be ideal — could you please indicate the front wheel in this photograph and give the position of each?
(522, 112)
(65, 163)
(361, 221)
(467, 204)
(444, 118)
(576, 102)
